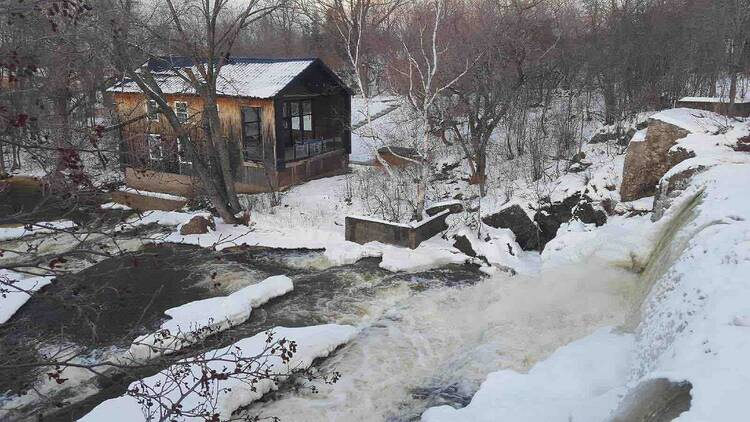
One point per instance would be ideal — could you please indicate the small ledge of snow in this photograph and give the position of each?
(165, 218)
(194, 321)
(692, 120)
(16, 294)
(114, 206)
(159, 195)
(12, 233)
(312, 343)
(639, 136)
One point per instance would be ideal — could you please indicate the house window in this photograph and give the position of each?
(298, 119)
(181, 111)
(251, 133)
(152, 110)
(155, 147)
(182, 151)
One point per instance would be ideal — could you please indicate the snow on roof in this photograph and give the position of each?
(738, 99)
(692, 120)
(241, 77)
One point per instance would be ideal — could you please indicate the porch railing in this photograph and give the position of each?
(311, 148)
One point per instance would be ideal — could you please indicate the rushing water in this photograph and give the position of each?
(435, 346)
(426, 339)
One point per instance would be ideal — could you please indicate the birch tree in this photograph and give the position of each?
(422, 80)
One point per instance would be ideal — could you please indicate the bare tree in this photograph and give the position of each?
(422, 80)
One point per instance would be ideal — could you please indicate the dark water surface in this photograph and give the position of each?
(109, 304)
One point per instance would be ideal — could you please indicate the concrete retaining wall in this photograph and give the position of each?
(363, 230)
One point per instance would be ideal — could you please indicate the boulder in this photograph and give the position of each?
(579, 167)
(590, 215)
(743, 144)
(654, 400)
(463, 244)
(671, 188)
(516, 219)
(648, 160)
(454, 207)
(602, 137)
(198, 225)
(577, 206)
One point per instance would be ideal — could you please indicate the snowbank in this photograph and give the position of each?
(624, 242)
(11, 298)
(166, 218)
(194, 321)
(159, 195)
(692, 120)
(12, 233)
(689, 329)
(579, 382)
(312, 343)
(114, 206)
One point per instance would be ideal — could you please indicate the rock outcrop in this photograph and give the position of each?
(648, 158)
(671, 188)
(516, 219)
(577, 206)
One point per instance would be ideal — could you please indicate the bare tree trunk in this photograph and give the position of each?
(220, 143)
(610, 103)
(2, 160)
(732, 92)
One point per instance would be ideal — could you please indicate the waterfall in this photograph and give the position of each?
(670, 244)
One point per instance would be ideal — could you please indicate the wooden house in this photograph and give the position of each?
(287, 121)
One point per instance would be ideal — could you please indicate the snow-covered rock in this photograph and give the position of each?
(194, 321)
(16, 290)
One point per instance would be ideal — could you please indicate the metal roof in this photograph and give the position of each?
(739, 99)
(239, 77)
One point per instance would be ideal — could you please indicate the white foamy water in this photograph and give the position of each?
(438, 345)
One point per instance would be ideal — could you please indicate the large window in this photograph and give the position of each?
(155, 147)
(152, 110)
(298, 119)
(251, 133)
(181, 111)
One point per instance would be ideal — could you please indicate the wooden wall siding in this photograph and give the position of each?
(329, 164)
(331, 107)
(134, 135)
